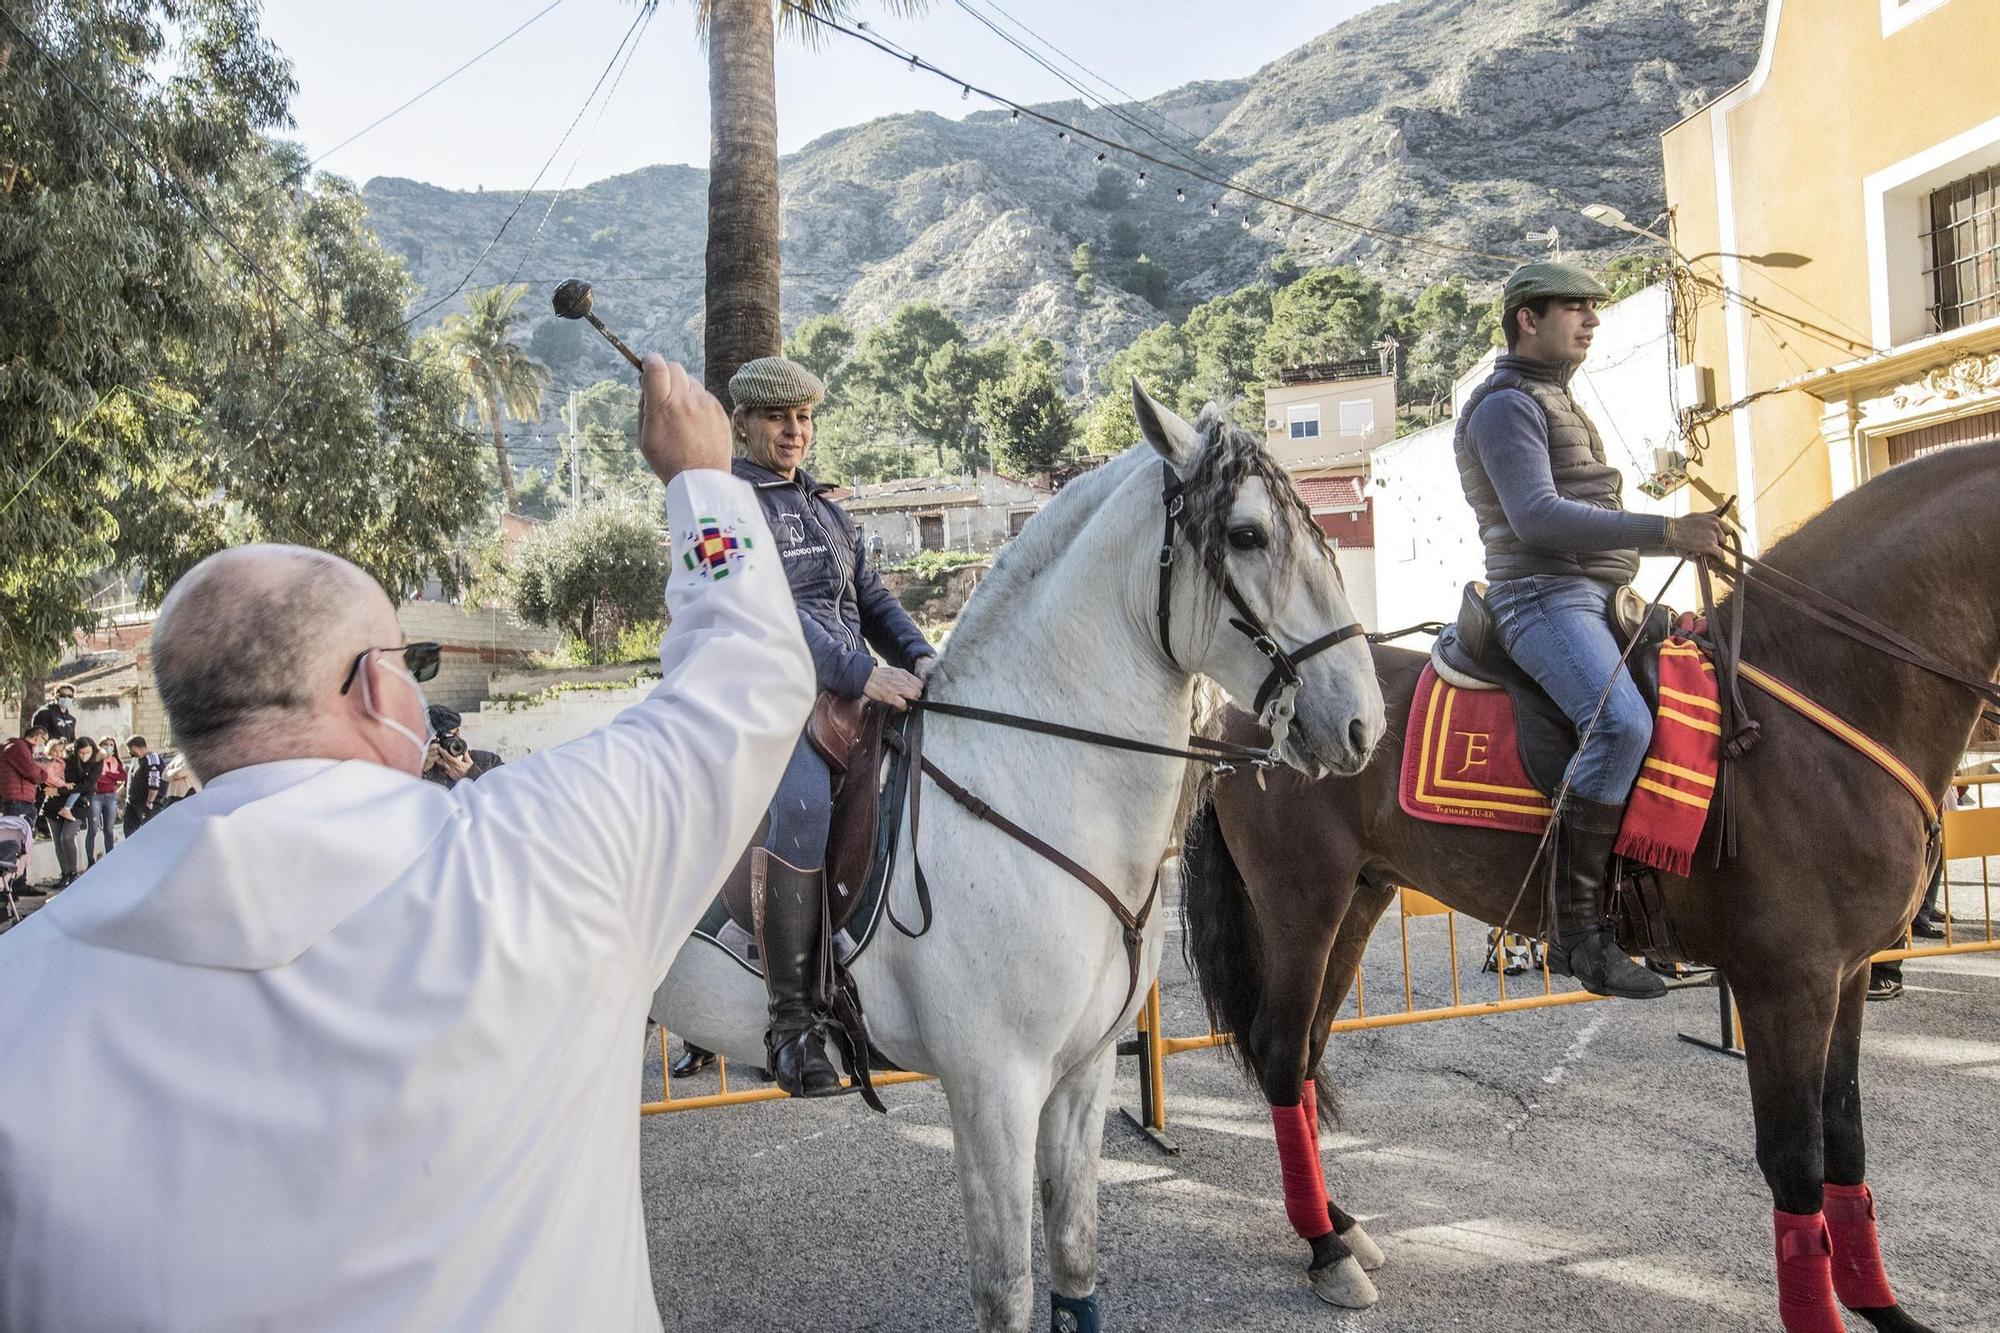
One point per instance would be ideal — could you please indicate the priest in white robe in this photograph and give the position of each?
(327, 1047)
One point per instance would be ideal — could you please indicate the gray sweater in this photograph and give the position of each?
(1511, 435)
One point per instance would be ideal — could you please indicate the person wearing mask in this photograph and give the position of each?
(329, 1047)
(448, 761)
(58, 716)
(146, 784)
(103, 806)
(81, 769)
(22, 774)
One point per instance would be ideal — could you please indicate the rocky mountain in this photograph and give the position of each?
(1469, 122)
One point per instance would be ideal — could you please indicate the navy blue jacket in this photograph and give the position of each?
(843, 606)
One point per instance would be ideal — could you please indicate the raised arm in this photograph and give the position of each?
(655, 807)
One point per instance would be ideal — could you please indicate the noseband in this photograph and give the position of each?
(1284, 665)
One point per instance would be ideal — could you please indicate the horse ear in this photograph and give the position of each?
(1162, 428)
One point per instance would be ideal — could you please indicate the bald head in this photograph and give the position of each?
(250, 648)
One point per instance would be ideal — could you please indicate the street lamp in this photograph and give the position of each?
(1604, 215)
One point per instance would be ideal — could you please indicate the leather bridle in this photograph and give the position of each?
(1284, 665)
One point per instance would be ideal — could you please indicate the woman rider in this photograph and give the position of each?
(843, 609)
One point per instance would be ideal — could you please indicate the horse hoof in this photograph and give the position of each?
(1342, 1283)
(1891, 1319)
(1363, 1247)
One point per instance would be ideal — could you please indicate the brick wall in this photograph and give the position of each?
(476, 644)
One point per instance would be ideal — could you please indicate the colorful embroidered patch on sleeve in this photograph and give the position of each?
(713, 548)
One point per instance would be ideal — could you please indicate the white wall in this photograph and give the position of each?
(1426, 543)
(514, 733)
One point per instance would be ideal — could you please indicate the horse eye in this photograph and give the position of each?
(1246, 538)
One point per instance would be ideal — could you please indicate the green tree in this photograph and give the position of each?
(499, 378)
(1083, 263)
(328, 430)
(608, 425)
(1441, 337)
(1222, 337)
(741, 319)
(1330, 314)
(1632, 273)
(1148, 281)
(891, 356)
(821, 345)
(591, 571)
(1122, 240)
(104, 272)
(940, 403)
(1111, 191)
(1027, 420)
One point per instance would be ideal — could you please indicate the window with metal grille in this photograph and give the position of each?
(1962, 250)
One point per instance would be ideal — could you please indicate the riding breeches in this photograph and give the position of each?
(1557, 628)
(802, 811)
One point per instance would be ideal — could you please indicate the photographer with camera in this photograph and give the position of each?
(448, 761)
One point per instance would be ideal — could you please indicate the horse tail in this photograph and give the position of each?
(1219, 936)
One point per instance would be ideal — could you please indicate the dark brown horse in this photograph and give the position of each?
(1284, 885)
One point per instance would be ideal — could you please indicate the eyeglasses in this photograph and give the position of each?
(421, 660)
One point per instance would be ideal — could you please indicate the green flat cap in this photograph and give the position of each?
(773, 381)
(1532, 282)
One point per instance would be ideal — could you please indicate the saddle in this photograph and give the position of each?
(852, 735)
(1469, 655)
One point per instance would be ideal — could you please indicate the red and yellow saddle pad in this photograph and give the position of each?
(1462, 762)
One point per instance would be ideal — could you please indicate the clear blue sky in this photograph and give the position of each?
(496, 123)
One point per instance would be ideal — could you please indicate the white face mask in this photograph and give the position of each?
(62, 702)
(423, 706)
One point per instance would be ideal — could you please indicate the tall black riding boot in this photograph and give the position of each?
(1585, 947)
(788, 904)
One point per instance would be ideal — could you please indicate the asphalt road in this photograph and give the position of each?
(1564, 1170)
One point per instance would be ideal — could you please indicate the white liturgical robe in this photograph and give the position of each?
(330, 1047)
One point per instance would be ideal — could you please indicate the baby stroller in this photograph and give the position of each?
(17, 843)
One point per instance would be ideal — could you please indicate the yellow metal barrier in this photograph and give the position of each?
(1969, 834)
(668, 1103)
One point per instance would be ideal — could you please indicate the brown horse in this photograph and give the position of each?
(1283, 886)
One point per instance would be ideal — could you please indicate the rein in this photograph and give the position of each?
(1740, 732)
(1284, 665)
(1220, 755)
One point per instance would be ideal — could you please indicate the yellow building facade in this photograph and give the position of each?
(1839, 218)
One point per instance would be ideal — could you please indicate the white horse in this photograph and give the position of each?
(1013, 998)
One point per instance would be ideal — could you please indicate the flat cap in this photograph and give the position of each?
(1546, 278)
(773, 381)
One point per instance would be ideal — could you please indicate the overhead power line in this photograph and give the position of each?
(645, 12)
(1020, 109)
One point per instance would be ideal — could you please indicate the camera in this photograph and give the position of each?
(452, 745)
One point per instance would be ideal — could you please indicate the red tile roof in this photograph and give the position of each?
(1321, 493)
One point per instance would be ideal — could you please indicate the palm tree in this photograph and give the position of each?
(742, 282)
(498, 376)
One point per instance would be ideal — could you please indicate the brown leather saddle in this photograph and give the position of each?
(1469, 654)
(850, 734)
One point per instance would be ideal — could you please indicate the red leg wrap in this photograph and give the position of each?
(1310, 1100)
(1298, 1160)
(1858, 1276)
(1805, 1274)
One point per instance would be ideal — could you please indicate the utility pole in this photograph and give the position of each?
(575, 455)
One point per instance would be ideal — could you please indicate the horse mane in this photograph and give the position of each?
(1040, 544)
(1225, 458)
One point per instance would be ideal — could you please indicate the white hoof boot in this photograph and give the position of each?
(1363, 1247)
(1343, 1284)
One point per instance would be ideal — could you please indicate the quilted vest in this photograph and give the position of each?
(1576, 461)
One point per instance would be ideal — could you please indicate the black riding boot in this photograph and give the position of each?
(1584, 946)
(788, 939)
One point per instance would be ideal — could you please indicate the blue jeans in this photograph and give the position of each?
(1556, 629)
(103, 812)
(802, 811)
